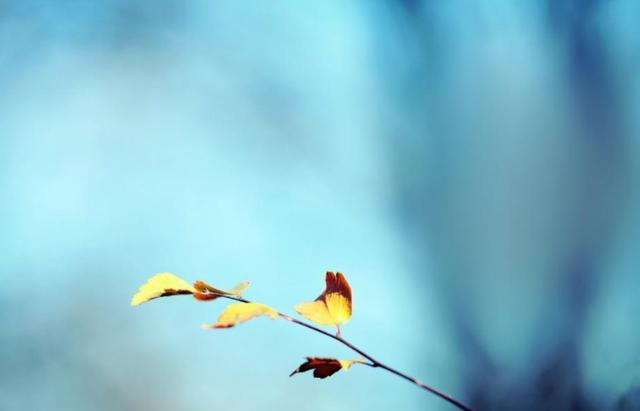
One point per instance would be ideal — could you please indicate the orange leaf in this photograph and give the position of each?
(325, 367)
(333, 306)
(241, 312)
(208, 292)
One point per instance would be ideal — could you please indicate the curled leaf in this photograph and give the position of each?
(208, 292)
(333, 306)
(325, 367)
(241, 312)
(162, 285)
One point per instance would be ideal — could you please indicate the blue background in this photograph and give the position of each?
(472, 167)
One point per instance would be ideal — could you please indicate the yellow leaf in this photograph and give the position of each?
(241, 312)
(162, 285)
(317, 312)
(339, 306)
(325, 367)
(333, 306)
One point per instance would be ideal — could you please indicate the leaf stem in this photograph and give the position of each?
(374, 363)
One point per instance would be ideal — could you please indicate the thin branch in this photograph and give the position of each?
(374, 363)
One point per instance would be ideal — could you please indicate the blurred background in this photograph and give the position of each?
(472, 167)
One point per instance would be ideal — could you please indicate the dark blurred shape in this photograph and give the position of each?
(630, 401)
(468, 204)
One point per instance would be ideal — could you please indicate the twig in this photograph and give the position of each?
(374, 363)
